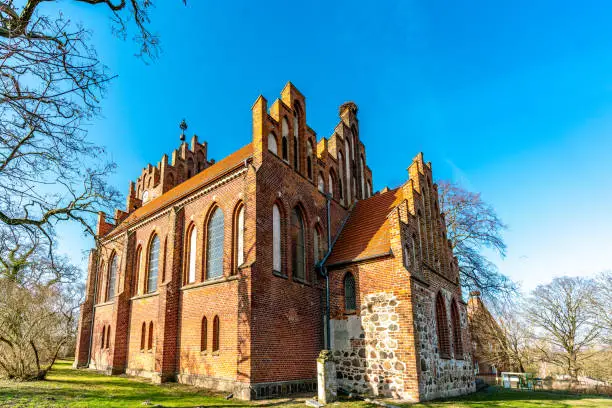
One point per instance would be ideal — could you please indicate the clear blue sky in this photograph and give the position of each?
(513, 100)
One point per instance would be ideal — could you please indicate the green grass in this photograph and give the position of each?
(66, 387)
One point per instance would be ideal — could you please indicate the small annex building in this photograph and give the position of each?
(211, 276)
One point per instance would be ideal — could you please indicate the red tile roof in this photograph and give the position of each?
(188, 186)
(366, 232)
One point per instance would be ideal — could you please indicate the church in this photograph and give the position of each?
(234, 274)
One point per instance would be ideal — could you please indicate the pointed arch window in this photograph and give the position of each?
(150, 342)
(296, 138)
(204, 334)
(347, 165)
(136, 274)
(272, 145)
(216, 328)
(214, 245)
(112, 278)
(152, 273)
(442, 327)
(341, 170)
(100, 290)
(285, 136)
(297, 244)
(276, 239)
(362, 174)
(103, 337)
(238, 238)
(143, 336)
(350, 295)
(457, 342)
(309, 160)
(192, 248)
(108, 334)
(331, 182)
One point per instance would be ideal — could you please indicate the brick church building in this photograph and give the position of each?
(215, 273)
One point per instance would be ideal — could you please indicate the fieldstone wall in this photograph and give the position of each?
(365, 349)
(439, 377)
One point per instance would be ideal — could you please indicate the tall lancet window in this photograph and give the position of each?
(238, 238)
(296, 139)
(272, 145)
(362, 171)
(153, 265)
(284, 142)
(347, 166)
(297, 244)
(191, 254)
(112, 278)
(309, 160)
(276, 239)
(214, 245)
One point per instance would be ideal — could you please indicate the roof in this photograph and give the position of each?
(189, 185)
(366, 233)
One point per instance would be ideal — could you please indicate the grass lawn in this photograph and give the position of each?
(66, 387)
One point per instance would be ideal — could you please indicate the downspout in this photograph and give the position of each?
(323, 269)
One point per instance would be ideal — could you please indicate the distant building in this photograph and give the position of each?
(485, 350)
(212, 274)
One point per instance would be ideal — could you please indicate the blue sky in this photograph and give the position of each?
(512, 100)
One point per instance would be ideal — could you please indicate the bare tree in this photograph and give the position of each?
(473, 226)
(564, 320)
(603, 305)
(38, 304)
(51, 83)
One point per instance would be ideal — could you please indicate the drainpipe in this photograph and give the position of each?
(323, 269)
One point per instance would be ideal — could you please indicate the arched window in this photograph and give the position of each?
(112, 278)
(442, 327)
(362, 174)
(145, 196)
(214, 245)
(150, 342)
(369, 191)
(297, 244)
(347, 164)
(407, 261)
(331, 181)
(153, 265)
(216, 328)
(285, 134)
(296, 138)
(321, 183)
(272, 145)
(414, 255)
(103, 337)
(204, 334)
(276, 239)
(163, 277)
(143, 336)
(309, 159)
(192, 248)
(108, 334)
(350, 295)
(457, 343)
(100, 289)
(136, 272)
(238, 248)
(189, 167)
(341, 170)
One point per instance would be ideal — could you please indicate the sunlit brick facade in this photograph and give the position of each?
(212, 275)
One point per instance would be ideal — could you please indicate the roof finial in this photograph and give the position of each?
(183, 127)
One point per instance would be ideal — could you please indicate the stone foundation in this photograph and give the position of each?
(365, 349)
